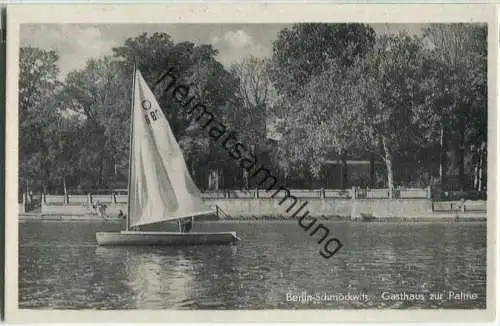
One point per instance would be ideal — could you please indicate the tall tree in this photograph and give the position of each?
(301, 56)
(361, 107)
(255, 86)
(196, 66)
(256, 96)
(68, 143)
(300, 51)
(100, 93)
(38, 89)
(319, 124)
(394, 84)
(460, 55)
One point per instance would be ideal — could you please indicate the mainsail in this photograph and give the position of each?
(160, 187)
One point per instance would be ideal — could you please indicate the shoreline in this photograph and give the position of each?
(324, 209)
(24, 217)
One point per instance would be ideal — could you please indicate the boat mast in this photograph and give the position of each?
(127, 226)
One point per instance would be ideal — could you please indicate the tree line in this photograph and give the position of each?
(416, 103)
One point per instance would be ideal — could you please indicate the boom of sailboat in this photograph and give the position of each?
(160, 186)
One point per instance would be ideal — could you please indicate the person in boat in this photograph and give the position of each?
(186, 224)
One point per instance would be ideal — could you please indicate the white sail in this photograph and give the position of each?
(160, 187)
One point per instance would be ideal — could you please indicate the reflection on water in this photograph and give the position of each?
(61, 267)
(151, 276)
(159, 277)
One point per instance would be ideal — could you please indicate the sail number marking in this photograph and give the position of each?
(146, 105)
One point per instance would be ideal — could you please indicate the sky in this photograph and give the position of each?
(76, 43)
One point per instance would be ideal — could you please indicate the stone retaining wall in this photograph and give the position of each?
(248, 207)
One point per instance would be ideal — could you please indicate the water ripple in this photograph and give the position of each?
(62, 268)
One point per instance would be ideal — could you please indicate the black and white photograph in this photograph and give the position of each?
(253, 166)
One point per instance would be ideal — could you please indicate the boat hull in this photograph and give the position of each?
(142, 238)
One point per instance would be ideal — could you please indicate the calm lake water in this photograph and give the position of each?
(276, 265)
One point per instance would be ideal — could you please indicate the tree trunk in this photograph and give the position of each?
(210, 180)
(103, 155)
(461, 150)
(443, 159)
(101, 176)
(214, 179)
(388, 164)
(482, 155)
(219, 179)
(65, 189)
(476, 173)
(461, 168)
(115, 172)
(246, 185)
(477, 158)
(372, 171)
(344, 175)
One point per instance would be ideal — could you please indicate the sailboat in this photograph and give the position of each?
(160, 186)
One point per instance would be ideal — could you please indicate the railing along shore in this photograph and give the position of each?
(120, 195)
(420, 199)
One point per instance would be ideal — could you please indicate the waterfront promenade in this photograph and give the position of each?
(400, 204)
